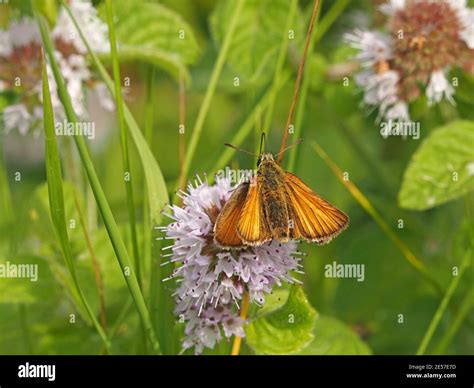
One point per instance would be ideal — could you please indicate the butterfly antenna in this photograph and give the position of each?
(263, 141)
(291, 145)
(240, 149)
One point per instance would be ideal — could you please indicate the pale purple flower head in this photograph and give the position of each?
(212, 280)
(20, 66)
(425, 39)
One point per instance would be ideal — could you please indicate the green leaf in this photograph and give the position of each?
(254, 49)
(442, 169)
(154, 34)
(103, 205)
(56, 195)
(284, 326)
(332, 336)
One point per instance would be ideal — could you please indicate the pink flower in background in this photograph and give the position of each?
(425, 39)
(20, 66)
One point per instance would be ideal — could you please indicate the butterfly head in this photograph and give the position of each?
(265, 156)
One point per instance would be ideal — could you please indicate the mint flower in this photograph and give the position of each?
(20, 66)
(425, 39)
(211, 280)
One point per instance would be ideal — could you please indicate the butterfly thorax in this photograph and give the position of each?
(271, 186)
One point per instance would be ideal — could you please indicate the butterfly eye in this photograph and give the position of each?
(259, 161)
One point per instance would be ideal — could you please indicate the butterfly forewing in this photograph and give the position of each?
(225, 227)
(253, 226)
(315, 219)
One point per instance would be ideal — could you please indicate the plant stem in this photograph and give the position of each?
(465, 307)
(181, 132)
(243, 315)
(206, 103)
(298, 81)
(104, 207)
(301, 106)
(365, 203)
(95, 265)
(127, 173)
(329, 18)
(279, 68)
(442, 307)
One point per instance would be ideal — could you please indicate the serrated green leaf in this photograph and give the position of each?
(332, 336)
(283, 330)
(254, 49)
(442, 169)
(152, 33)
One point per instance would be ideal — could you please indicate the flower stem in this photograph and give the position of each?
(243, 314)
(298, 80)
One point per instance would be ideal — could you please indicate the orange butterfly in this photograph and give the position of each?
(276, 205)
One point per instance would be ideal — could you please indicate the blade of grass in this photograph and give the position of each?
(148, 129)
(464, 308)
(104, 207)
(367, 206)
(443, 306)
(95, 265)
(157, 193)
(6, 204)
(206, 103)
(127, 173)
(279, 67)
(6, 215)
(56, 198)
(246, 127)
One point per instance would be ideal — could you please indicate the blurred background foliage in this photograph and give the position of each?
(354, 317)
